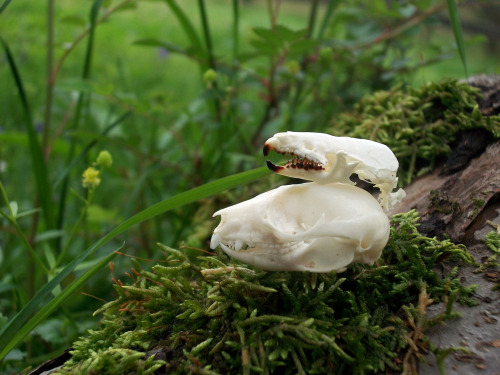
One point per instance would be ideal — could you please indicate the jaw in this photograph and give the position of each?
(313, 256)
(311, 165)
(325, 159)
(270, 257)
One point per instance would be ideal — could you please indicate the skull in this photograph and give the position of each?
(324, 158)
(306, 227)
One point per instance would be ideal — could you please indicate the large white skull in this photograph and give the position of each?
(324, 159)
(306, 227)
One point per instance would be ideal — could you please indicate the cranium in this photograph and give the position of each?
(319, 226)
(306, 227)
(324, 158)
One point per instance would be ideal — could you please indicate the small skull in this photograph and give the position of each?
(324, 158)
(305, 227)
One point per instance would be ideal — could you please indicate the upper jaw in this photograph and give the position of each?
(304, 162)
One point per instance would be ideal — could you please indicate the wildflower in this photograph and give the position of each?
(104, 159)
(209, 77)
(90, 178)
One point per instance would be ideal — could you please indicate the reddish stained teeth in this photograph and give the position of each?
(297, 163)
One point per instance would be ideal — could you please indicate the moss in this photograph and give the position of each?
(215, 315)
(442, 204)
(418, 124)
(492, 242)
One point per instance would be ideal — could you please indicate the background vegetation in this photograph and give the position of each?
(181, 94)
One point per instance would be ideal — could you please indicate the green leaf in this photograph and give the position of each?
(301, 47)
(265, 48)
(15, 330)
(457, 31)
(269, 36)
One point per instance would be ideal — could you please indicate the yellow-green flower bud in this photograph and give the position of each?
(90, 178)
(209, 77)
(104, 159)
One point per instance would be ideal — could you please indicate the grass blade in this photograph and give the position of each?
(206, 33)
(332, 5)
(4, 5)
(188, 28)
(9, 334)
(457, 31)
(46, 310)
(43, 187)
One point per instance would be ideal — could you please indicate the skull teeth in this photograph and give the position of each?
(298, 162)
(304, 163)
(273, 248)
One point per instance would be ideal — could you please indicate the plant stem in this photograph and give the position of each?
(78, 112)
(206, 34)
(49, 89)
(82, 36)
(11, 218)
(210, 54)
(236, 21)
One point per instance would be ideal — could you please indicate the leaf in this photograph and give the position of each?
(265, 48)
(301, 47)
(457, 31)
(269, 36)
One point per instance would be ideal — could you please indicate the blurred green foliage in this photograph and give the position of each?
(180, 94)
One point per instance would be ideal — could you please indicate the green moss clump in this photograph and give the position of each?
(219, 316)
(418, 124)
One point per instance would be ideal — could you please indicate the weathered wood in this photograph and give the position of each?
(456, 205)
(457, 200)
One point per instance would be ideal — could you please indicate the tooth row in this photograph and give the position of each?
(274, 248)
(304, 164)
